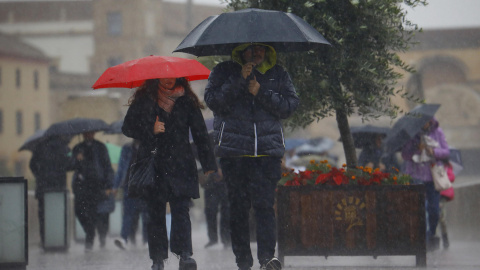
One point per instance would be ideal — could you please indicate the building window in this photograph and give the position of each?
(19, 120)
(1, 121)
(35, 80)
(37, 121)
(17, 78)
(113, 61)
(114, 23)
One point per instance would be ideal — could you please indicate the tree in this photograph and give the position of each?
(358, 73)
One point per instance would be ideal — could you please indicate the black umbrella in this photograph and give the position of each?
(76, 126)
(32, 141)
(364, 135)
(408, 126)
(220, 34)
(115, 127)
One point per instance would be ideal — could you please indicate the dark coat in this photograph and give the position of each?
(94, 174)
(49, 164)
(247, 125)
(175, 161)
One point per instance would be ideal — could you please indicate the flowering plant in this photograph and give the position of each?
(322, 173)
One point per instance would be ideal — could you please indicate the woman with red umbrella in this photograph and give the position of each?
(161, 113)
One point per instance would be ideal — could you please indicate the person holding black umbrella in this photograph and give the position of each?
(92, 184)
(49, 164)
(427, 147)
(249, 96)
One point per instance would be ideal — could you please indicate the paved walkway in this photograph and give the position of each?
(461, 255)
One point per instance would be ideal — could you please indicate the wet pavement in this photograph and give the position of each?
(460, 255)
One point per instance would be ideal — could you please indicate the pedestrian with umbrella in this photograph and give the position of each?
(370, 139)
(428, 146)
(92, 185)
(49, 164)
(249, 97)
(161, 112)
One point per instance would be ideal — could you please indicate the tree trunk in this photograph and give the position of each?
(347, 139)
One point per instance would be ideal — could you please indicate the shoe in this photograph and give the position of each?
(158, 266)
(433, 243)
(210, 243)
(187, 262)
(445, 241)
(121, 243)
(102, 242)
(88, 247)
(272, 264)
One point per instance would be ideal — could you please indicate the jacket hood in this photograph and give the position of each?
(434, 123)
(268, 63)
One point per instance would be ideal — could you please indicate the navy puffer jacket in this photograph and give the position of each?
(247, 125)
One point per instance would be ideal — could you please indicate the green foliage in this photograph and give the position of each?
(357, 73)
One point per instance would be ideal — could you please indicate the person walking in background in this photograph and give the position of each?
(161, 113)
(374, 156)
(92, 184)
(49, 164)
(427, 147)
(249, 96)
(132, 207)
(216, 200)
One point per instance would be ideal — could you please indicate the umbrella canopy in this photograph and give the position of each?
(32, 141)
(408, 126)
(363, 136)
(218, 35)
(315, 146)
(292, 143)
(115, 127)
(133, 73)
(76, 126)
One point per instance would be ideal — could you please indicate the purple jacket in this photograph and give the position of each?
(421, 171)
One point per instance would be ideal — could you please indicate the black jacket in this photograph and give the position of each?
(247, 125)
(94, 174)
(175, 161)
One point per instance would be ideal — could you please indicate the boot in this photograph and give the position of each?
(187, 262)
(433, 243)
(445, 241)
(158, 265)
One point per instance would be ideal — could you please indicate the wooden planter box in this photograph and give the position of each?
(351, 221)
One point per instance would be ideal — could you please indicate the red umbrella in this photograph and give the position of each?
(133, 73)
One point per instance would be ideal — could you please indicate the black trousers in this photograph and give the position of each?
(251, 182)
(86, 212)
(181, 229)
(216, 200)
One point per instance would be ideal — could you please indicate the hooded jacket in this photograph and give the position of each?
(248, 125)
(421, 171)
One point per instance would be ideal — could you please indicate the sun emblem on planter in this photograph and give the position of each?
(348, 211)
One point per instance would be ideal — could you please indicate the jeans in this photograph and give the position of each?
(432, 206)
(132, 209)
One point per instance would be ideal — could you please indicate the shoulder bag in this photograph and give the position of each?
(142, 176)
(440, 177)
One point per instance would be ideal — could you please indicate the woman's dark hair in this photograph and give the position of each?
(150, 89)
